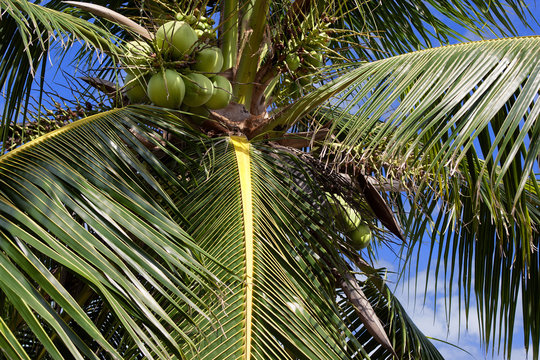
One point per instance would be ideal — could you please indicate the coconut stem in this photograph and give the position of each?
(229, 29)
(256, 17)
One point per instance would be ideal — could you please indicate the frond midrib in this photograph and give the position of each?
(56, 133)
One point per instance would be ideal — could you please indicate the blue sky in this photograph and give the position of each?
(434, 323)
(430, 315)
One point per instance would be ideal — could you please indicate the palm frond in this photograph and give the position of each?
(29, 33)
(85, 224)
(407, 340)
(417, 25)
(491, 264)
(288, 312)
(440, 101)
(457, 126)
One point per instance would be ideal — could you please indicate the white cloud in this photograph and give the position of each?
(519, 354)
(474, 37)
(430, 315)
(383, 263)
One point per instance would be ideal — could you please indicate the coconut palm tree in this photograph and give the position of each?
(250, 230)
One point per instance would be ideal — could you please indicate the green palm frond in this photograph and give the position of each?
(360, 29)
(142, 232)
(456, 128)
(266, 223)
(83, 225)
(279, 302)
(439, 101)
(478, 247)
(418, 24)
(29, 34)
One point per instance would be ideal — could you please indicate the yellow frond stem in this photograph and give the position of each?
(241, 148)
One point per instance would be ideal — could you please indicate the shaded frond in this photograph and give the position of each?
(84, 224)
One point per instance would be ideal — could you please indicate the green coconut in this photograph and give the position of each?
(190, 19)
(199, 89)
(180, 16)
(176, 38)
(360, 237)
(346, 217)
(199, 114)
(166, 89)
(138, 52)
(314, 59)
(209, 60)
(350, 219)
(135, 89)
(293, 61)
(136, 57)
(221, 97)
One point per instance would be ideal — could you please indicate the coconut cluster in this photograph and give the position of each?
(179, 68)
(305, 55)
(204, 27)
